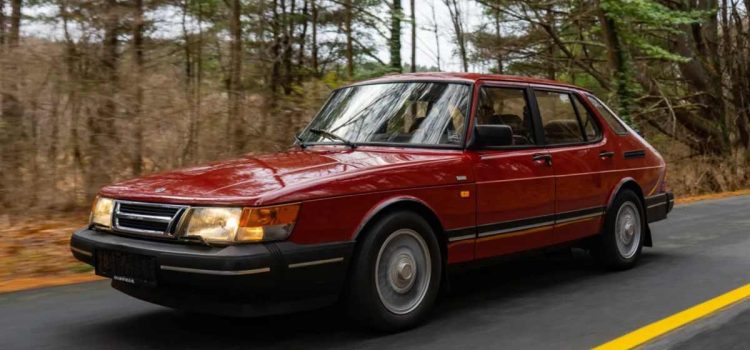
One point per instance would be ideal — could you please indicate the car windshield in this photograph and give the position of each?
(415, 113)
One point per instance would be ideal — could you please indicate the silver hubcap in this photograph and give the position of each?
(403, 271)
(628, 230)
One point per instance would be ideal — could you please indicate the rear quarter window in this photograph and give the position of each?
(612, 120)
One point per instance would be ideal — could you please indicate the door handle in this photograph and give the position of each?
(606, 154)
(547, 158)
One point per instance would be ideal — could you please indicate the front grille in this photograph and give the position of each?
(142, 225)
(133, 208)
(147, 218)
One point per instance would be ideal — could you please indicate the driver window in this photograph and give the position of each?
(507, 106)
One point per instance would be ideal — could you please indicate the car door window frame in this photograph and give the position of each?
(530, 103)
(539, 121)
(592, 117)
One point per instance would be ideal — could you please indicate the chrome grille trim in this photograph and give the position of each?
(169, 221)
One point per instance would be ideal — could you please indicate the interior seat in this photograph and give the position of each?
(562, 131)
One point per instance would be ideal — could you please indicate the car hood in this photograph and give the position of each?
(293, 176)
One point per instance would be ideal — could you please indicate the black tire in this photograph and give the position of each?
(605, 248)
(363, 300)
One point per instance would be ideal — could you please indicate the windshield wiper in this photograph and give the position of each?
(331, 136)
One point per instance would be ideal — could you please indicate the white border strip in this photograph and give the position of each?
(216, 272)
(519, 228)
(656, 205)
(579, 217)
(81, 251)
(461, 238)
(316, 262)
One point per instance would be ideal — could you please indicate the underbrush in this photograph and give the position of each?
(38, 245)
(690, 175)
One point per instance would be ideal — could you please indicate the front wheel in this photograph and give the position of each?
(396, 273)
(620, 244)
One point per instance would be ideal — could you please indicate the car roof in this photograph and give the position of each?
(466, 78)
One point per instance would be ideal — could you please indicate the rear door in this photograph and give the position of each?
(581, 161)
(515, 184)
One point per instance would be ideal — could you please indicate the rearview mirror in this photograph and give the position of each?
(494, 135)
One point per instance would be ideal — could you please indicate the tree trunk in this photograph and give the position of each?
(436, 32)
(188, 151)
(395, 42)
(551, 48)
(138, 61)
(103, 138)
(2, 25)
(235, 124)
(286, 44)
(275, 50)
(349, 39)
(617, 58)
(413, 37)
(13, 134)
(499, 44)
(458, 28)
(302, 40)
(314, 39)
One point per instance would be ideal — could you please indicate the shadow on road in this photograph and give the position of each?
(507, 282)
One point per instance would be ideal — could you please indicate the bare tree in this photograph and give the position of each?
(413, 36)
(234, 117)
(138, 61)
(454, 8)
(349, 39)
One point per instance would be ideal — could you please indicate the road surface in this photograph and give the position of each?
(539, 301)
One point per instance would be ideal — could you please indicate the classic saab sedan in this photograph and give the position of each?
(395, 181)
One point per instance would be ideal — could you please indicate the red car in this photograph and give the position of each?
(395, 180)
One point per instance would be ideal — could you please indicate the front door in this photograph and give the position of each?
(515, 183)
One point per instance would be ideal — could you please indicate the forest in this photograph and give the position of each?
(94, 92)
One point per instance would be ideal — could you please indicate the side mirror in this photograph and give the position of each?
(494, 135)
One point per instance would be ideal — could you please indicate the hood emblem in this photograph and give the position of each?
(160, 190)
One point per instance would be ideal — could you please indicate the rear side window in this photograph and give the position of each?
(587, 120)
(507, 106)
(559, 118)
(612, 120)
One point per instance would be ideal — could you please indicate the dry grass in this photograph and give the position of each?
(38, 246)
(711, 196)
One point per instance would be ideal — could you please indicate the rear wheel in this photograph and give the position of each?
(619, 246)
(396, 273)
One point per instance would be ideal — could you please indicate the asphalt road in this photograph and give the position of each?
(540, 301)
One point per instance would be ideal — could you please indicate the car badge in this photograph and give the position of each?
(160, 190)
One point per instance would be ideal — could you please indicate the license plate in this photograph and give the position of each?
(126, 267)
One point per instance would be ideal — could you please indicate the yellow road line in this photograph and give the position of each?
(663, 326)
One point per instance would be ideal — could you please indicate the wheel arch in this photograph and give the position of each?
(631, 184)
(404, 203)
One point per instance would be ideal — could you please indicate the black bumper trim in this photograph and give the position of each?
(239, 280)
(658, 206)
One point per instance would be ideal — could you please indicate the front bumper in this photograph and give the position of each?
(658, 206)
(239, 280)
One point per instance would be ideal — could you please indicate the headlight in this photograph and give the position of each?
(101, 212)
(243, 225)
